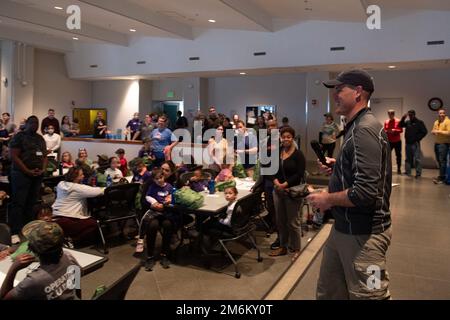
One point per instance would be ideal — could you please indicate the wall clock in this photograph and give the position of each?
(435, 104)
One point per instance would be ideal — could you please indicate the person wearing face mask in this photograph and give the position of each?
(53, 142)
(50, 120)
(28, 152)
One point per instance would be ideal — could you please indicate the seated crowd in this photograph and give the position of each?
(158, 176)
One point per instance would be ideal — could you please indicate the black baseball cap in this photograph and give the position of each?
(354, 77)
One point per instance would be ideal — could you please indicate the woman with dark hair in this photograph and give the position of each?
(169, 171)
(70, 207)
(287, 210)
(66, 127)
(246, 148)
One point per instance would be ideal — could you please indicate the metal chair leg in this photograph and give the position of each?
(105, 249)
(237, 274)
(259, 259)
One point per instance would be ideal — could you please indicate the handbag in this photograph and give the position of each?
(297, 192)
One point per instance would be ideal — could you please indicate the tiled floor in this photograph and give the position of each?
(419, 256)
(188, 279)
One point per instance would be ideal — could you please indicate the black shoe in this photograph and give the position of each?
(275, 245)
(399, 171)
(165, 262)
(418, 177)
(149, 264)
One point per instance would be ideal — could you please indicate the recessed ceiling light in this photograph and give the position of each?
(75, 38)
(133, 30)
(242, 73)
(392, 67)
(58, 8)
(212, 20)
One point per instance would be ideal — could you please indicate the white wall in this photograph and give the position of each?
(120, 97)
(23, 82)
(401, 39)
(6, 68)
(53, 88)
(287, 92)
(416, 88)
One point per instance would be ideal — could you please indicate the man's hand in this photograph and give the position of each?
(328, 170)
(320, 201)
(158, 206)
(435, 132)
(22, 261)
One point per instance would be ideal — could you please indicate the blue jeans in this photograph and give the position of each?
(413, 158)
(441, 151)
(24, 195)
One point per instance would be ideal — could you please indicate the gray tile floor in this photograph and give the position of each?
(188, 279)
(419, 256)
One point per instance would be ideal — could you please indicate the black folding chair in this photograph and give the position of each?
(242, 226)
(118, 290)
(118, 205)
(5, 234)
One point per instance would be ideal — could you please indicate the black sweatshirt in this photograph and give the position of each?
(415, 130)
(292, 169)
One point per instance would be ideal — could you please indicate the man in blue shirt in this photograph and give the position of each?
(134, 127)
(163, 141)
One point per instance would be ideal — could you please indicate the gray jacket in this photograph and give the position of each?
(364, 168)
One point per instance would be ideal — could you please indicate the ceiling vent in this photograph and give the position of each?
(93, 66)
(194, 58)
(262, 53)
(141, 62)
(435, 43)
(337, 48)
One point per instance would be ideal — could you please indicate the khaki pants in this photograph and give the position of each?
(354, 267)
(289, 222)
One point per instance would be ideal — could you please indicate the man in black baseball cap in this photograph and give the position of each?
(357, 197)
(353, 78)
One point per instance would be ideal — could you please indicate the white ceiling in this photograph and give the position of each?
(196, 13)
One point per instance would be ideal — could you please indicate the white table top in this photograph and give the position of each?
(216, 202)
(85, 260)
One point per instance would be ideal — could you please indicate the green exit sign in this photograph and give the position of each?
(170, 94)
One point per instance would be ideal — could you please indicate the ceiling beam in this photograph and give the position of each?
(35, 39)
(252, 12)
(26, 14)
(139, 14)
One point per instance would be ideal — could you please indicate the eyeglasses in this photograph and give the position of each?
(82, 149)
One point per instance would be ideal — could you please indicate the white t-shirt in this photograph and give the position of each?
(53, 142)
(71, 199)
(115, 174)
(227, 220)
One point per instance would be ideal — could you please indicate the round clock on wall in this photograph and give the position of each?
(435, 104)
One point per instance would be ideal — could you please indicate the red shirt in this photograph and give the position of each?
(394, 125)
(123, 166)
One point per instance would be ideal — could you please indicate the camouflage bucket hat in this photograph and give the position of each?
(46, 237)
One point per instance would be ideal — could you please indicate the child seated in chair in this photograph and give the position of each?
(218, 226)
(198, 182)
(113, 170)
(225, 173)
(158, 217)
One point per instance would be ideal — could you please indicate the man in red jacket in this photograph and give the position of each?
(393, 131)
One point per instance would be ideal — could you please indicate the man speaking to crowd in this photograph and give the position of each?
(354, 256)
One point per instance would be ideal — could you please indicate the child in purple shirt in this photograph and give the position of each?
(159, 195)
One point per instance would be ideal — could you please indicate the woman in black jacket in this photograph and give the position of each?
(290, 173)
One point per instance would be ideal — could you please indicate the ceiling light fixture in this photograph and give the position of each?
(58, 8)
(212, 20)
(392, 67)
(242, 73)
(75, 38)
(133, 30)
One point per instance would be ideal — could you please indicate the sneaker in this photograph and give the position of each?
(281, 251)
(149, 264)
(165, 262)
(276, 244)
(139, 246)
(438, 181)
(296, 255)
